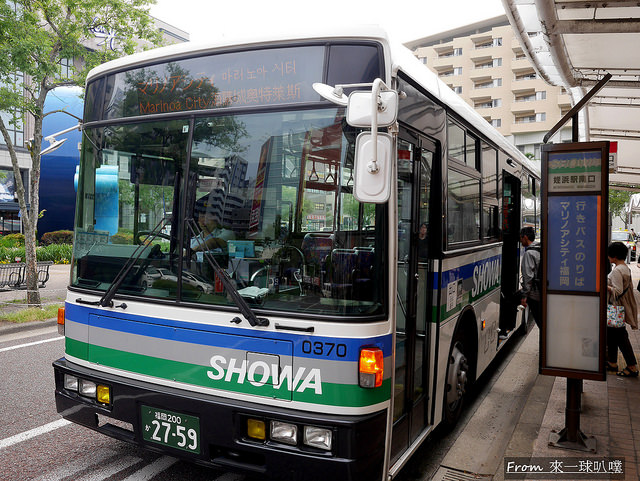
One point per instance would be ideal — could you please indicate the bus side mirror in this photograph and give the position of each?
(373, 156)
(372, 180)
(359, 109)
(374, 150)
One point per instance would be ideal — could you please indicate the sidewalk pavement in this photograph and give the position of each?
(54, 292)
(610, 413)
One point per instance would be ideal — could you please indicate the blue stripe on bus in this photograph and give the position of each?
(305, 345)
(464, 272)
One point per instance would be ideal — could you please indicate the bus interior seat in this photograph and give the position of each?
(363, 273)
(340, 272)
(316, 247)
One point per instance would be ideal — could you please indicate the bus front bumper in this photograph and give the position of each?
(357, 450)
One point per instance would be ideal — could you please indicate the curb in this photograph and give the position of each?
(26, 326)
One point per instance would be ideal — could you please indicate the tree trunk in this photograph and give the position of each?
(29, 218)
(31, 271)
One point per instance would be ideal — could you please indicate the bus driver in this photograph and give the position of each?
(213, 235)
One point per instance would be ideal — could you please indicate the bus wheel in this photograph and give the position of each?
(457, 382)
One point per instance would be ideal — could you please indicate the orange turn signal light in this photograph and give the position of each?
(61, 321)
(371, 367)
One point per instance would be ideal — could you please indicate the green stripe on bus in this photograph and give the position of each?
(346, 395)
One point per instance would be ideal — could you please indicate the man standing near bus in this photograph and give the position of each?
(530, 290)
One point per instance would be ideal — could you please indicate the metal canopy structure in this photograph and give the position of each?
(574, 44)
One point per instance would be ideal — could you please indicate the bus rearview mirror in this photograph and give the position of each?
(359, 111)
(372, 176)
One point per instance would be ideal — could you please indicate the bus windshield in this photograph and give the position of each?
(268, 196)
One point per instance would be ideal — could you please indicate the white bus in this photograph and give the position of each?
(255, 286)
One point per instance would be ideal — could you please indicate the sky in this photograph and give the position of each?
(404, 20)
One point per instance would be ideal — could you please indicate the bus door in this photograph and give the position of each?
(511, 207)
(410, 415)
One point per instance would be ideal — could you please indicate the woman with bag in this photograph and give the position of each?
(622, 309)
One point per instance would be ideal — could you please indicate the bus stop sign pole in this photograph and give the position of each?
(571, 192)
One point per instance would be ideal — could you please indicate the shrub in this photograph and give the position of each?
(122, 238)
(57, 237)
(58, 253)
(12, 240)
(9, 254)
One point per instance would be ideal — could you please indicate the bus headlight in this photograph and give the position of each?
(87, 388)
(284, 432)
(317, 437)
(70, 382)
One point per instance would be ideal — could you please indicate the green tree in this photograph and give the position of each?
(35, 36)
(618, 199)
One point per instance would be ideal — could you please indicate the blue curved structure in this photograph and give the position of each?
(57, 192)
(106, 212)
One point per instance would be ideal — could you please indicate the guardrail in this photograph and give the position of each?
(13, 275)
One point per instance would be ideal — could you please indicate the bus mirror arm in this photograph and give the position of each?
(376, 105)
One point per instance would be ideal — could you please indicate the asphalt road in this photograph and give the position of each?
(37, 444)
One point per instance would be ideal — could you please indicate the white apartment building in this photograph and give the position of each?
(485, 65)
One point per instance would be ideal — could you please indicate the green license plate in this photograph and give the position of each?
(177, 430)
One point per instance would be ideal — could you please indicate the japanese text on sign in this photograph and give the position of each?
(258, 77)
(574, 171)
(572, 237)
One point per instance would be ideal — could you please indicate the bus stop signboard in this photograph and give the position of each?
(574, 220)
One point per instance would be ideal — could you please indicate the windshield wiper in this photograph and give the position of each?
(239, 301)
(107, 299)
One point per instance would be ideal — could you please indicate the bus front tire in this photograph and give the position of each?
(457, 382)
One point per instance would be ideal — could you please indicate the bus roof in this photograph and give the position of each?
(275, 37)
(402, 59)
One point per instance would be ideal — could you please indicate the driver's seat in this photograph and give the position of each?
(316, 247)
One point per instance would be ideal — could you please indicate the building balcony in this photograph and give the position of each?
(482, 58)
(515, 44)
(485, 111)
(479, 53)
(540, 105)
(477, 95)
(520, 65)
(443, 48)
(564, 100)
(442, 64)
(523, 108)
(527, 127)
(518, 86)
(478, 74)
(480, 38)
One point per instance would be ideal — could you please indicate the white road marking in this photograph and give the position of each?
(32, 433)
(105, 472)
(34, 343)
(69, 468)
(150, 470)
